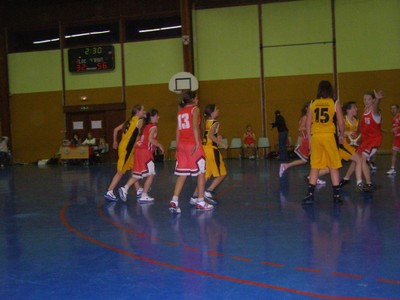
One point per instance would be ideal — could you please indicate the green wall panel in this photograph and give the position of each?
(95, 79)
(153, 61)
(31, 72)
(227, 43)
(368, 35)
(226, 46)
(287, 61)
(297, 22)
(297, 38)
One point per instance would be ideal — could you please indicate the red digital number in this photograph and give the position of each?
(81, 67)
(102, 66)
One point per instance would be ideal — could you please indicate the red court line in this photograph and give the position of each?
(65, 222)
(388, 281)
(215, 253)
(272, 264)
(347, 275)
(242, 258)
(233, 185)
(191, 248)
(118, 225)
(307, 270)
(171, 244)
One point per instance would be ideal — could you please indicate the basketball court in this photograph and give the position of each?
(63, 240)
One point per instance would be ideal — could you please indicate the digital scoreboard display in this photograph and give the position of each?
(88, 59)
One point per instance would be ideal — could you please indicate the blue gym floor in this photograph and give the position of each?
(62, 240)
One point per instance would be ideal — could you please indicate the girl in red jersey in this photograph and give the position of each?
(249, 143)
(371, 133)
(130, 130)
(143, 164)
(190, 158)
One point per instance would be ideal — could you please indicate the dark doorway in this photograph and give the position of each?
(98, 120)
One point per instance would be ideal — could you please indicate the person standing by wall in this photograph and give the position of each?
(396, 137)
(280, 124)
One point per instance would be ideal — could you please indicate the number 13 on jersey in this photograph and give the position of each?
(183, 121)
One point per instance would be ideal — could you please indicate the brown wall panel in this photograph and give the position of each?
(37, 125)
(156, 96)
(238, 101)
(38, 119)
(288, 95)
(354, 85)
(94, 96)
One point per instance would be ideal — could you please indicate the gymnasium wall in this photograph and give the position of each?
(298, 53)
(297, 41)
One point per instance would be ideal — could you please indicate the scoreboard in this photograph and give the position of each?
(96, 58)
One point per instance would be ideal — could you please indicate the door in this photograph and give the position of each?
(82, 123)
(100, 123)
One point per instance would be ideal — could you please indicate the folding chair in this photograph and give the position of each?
(263, 143)
(236, 143)
(225, 141)
(171, 148)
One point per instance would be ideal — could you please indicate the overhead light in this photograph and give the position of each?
(72, 36)
(160, 29)
(46, 41)
(86, 33)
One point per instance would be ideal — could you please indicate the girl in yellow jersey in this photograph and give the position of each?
(348, 150)
(303, 148)
(215, 166)
(321, 131)
(130, 131)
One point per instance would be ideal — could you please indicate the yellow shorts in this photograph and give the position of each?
(324, 152)
(125, 160)
(346, 151)
(214, 163)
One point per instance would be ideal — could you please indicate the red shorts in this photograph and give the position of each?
(369, 146)
(396, 143)
(143, 164)
(303, 149)
(189, 163)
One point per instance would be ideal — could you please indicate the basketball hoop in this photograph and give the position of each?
(183, 81)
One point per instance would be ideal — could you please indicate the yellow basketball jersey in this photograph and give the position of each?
(129, 135)
(125, 146)
(348, 126)
(207, 141)
(323, 112)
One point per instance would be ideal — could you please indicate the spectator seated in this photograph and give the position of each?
(5, 154)
(99, 152)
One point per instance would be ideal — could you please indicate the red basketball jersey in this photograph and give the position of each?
(185, 124)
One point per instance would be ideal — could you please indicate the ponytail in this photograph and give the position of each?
(187, 98)
(147, 118)
(135, 110)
